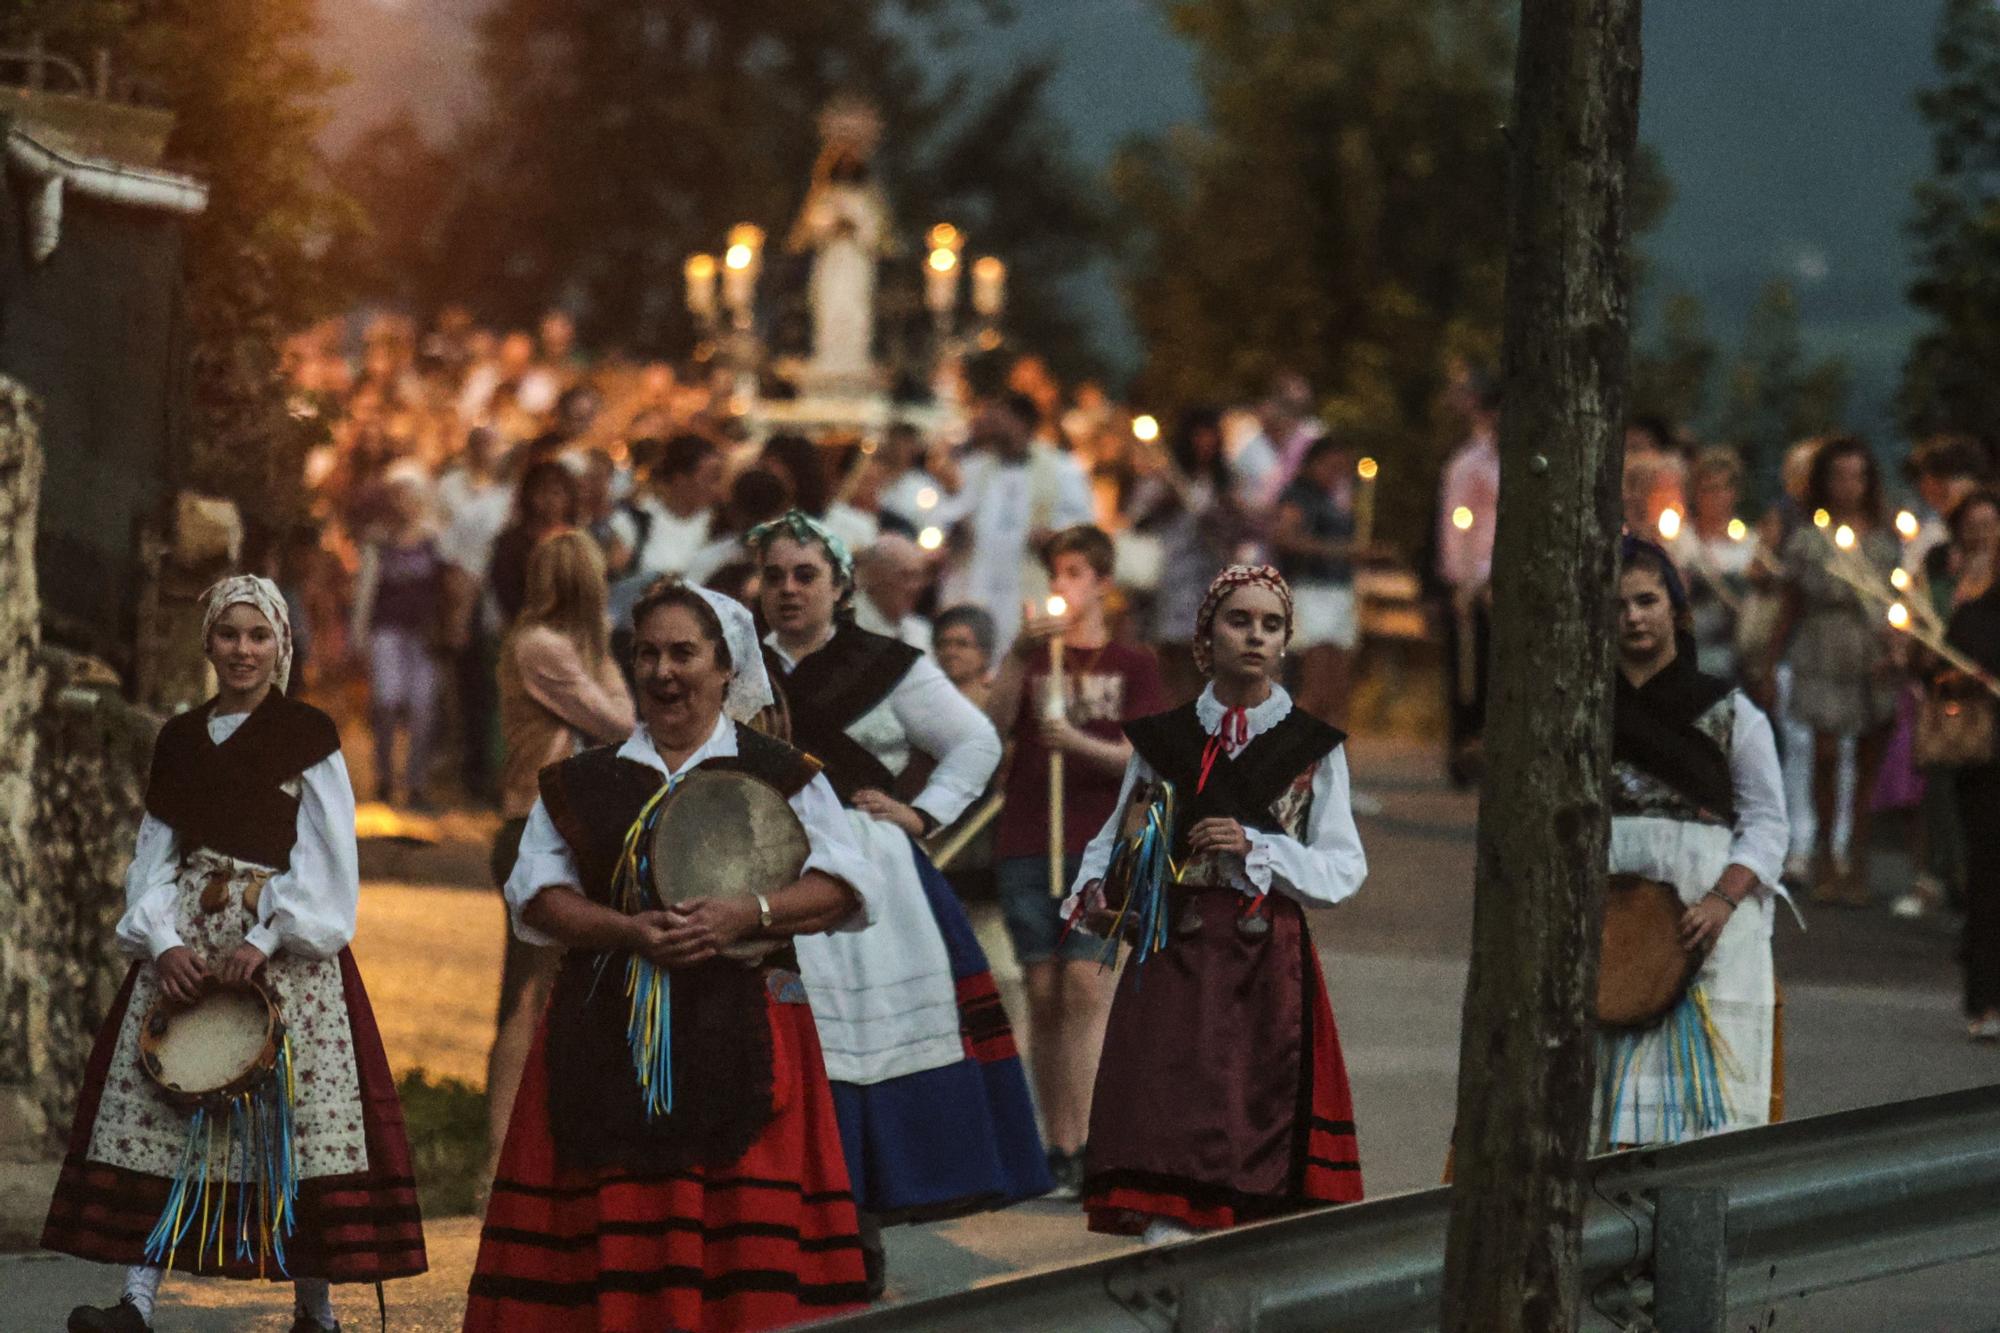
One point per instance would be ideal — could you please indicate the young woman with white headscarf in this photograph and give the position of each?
(245, 871)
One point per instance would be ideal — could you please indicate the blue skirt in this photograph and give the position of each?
(958, 1139)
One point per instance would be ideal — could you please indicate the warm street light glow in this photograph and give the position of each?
(943, 260)
(931, 538)
(1366, 469)
(1738, 529)
(1821, 518)
(1843, 537)
(1461, 518)
(739, 257)
(1899, 579)
(927, 498)
(1906, 523)
(1670, 523)
(1899, 615)
(1058, 607)
(944, 236)
(1145, 429)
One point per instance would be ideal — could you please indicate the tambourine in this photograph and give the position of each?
(208, 1053)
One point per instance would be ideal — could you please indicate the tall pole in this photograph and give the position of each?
(1526, 1053)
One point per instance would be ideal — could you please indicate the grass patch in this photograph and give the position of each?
(447, 1124)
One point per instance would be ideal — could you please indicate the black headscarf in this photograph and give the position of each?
(1653, 729)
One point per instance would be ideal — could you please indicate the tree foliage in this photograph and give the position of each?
(1948, 379)
(1670, 376)
(620, 137)
(1772, 396)
(1341, 214)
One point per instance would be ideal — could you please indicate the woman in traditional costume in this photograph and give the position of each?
(1697, 802)
(695, 1183)
(934, 1105)
(1222, 1095)
(245, 870)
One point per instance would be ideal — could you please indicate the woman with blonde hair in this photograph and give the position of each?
(560, 692)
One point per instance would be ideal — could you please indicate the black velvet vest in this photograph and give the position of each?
(831, 690)
(1656, 729)
(721, 1038)
(230, 798)
(1244, 788)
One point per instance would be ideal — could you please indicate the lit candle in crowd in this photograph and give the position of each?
(941, 280)
(1843, 537)
(1821, 518)
(1899, 579)
(1899, 615)
(1145, 428)
(1364, 502)
(1906, 523)
(1461, 518)
(700, 271)
(989, 287)
(927, 498)
(740, 265)
(931, 538)
(1738, 529)
(1670, 523)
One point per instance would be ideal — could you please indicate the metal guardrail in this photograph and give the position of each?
(1673, 1239)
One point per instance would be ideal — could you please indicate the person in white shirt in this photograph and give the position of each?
(890, 575)
(1468, 510)
(1015, 493)
(663, 530)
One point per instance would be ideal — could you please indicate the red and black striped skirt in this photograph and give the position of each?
(363, 1227)
(770, 1241)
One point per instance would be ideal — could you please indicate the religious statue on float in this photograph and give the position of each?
(845, 224)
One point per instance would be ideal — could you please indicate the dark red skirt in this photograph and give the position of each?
(1221, 1095)
(363, 1227)
(771, 1241)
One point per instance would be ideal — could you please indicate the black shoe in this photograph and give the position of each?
(123, 1317)
(305, 1323)
(875, 1267)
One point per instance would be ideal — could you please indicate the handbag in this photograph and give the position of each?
(1955, 726)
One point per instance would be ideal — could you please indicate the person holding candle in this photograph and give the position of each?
(1840, 649)
(1315, 538)
(1716, 550)
(1468, 509)
(1222, 1096)
(1974, 632)
(1104, 685)
(933, 1103)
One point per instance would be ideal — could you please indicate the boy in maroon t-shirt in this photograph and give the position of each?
(1105, 685)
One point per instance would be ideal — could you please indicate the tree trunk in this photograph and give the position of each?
(1526, 1050)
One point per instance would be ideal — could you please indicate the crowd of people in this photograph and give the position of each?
(1061, 656)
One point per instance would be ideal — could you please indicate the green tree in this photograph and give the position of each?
(1772, 396)
(1670, 377)
(1948, 379)
(621, 137)
(1341, 213)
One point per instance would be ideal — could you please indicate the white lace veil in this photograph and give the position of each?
(749, 690)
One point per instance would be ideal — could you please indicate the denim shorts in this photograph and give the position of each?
(1034, 919)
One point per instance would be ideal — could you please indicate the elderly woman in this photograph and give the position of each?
(726, 1207)
(1222, 1095)
(245, 871)
(934, 1106)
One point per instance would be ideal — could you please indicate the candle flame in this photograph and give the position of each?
(1670, 523)
(931, 538)
(1738, 529)
(927, 498)
(1843, 537)
(943, 260)
(739, 257)
(1145, 428)
(700, 268)
(1366, 469)
(1899, 615)
(1461, 518)
(944, 236)
(1906, 523)
(1058, 607)
(1899, 579)
(1821, 518)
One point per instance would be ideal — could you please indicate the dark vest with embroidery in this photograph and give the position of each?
(1671, 739)
(1246, 788)
(832, 690)
(230, 798)
(721, 1037)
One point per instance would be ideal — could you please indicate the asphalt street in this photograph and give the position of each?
(1870, 1016)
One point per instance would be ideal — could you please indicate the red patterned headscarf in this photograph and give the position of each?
(1228, 581)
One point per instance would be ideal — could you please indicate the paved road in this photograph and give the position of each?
(1870, 1005)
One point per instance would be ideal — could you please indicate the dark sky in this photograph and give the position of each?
(1787, 126)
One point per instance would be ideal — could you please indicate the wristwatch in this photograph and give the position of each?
(763, 911)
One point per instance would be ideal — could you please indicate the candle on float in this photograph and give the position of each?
(1364, 502)
(739, 277)
(989, 287)
(941, 281)
(700, 272)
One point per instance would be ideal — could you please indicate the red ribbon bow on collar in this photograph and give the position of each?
(1232, 733)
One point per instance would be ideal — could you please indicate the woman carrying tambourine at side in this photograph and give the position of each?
(1697, 803)
(673, 1160)
(241, 897)
(1222, 1094)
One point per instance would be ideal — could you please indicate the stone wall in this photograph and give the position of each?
(73, 757)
